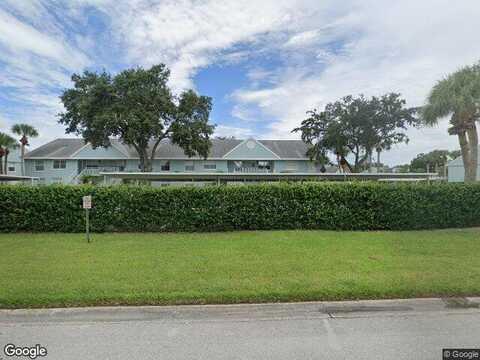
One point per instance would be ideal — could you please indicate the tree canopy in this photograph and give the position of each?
(357, 126)
(25, 131)
(138, 107)
(7, 143)
(458, 96)
(434, 160)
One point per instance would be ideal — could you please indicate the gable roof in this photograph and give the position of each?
(57, 149)
(67, 148)
(112, 152)
(249, 149)
(458, 162)
(287, 149)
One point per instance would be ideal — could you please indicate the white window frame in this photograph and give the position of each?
(264, 164)
(165, 166)
(290, 166)
(11, 167)
(39, 163)
(189, 166)
(210, 166)
(59, 162)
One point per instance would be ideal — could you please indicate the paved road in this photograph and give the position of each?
(405, 329)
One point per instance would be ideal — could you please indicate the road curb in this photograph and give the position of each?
(268, 311)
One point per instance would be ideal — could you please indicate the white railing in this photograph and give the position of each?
(97, 171)
(251, 170)
(94, 172)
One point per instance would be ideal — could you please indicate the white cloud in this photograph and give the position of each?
(36, 61)
(237, 132)
(188, 35)
(403, 47)
(303, 39)
(20, 37)
(322, 50)
(245, 113)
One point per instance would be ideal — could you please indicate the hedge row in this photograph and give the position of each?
(340, 206)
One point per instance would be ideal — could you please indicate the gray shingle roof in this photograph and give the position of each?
(58, 148)
(65, 148)
(287, 149)
(458, 162)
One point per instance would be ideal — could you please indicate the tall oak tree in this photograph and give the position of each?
(138, 107)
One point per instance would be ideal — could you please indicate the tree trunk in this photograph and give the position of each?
(148, 162)
(462, 140)
(148, 166)
(5, 168)
(143, 165)
(22, 149)
(145, 161)
(370, 161)
(2, 152)
(473, 147)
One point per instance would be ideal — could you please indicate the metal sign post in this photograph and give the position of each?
(87, 205)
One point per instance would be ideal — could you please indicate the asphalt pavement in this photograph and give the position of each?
(387, 329)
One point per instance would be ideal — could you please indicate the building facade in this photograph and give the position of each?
(456, 170)
(14, 163)
(67, 161)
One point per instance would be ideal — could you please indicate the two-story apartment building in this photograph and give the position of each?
(14, 163)
(67, 160)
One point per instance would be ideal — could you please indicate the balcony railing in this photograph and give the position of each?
(97, 171)
(251, 170)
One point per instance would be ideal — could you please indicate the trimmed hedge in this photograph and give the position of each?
(338, 206)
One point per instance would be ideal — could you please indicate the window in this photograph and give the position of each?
(189, 166)
(39, 166)
(59, 164)
(210, 166)
(11, 168)
(264, 165)
(165, 166)
(290, 166)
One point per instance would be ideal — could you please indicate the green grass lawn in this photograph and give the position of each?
(44, 270)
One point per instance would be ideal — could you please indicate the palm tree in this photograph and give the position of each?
(25, 131)
(458, 96)
(7, 143)
(2, 151)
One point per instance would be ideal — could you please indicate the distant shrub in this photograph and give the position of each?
(337, 206)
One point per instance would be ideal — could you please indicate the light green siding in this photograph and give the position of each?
(99, 153)
(250, 149)
(49, 175)
(249, 156)
(198, 165)
(457, 173)
(302, 166)
(132, 165)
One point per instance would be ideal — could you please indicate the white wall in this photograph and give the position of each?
(457, 173)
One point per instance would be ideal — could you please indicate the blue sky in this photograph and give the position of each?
(264, 63)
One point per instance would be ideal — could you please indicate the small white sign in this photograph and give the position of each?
(87, 202)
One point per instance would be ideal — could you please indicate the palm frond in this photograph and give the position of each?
(458, 92)
(24, 130)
